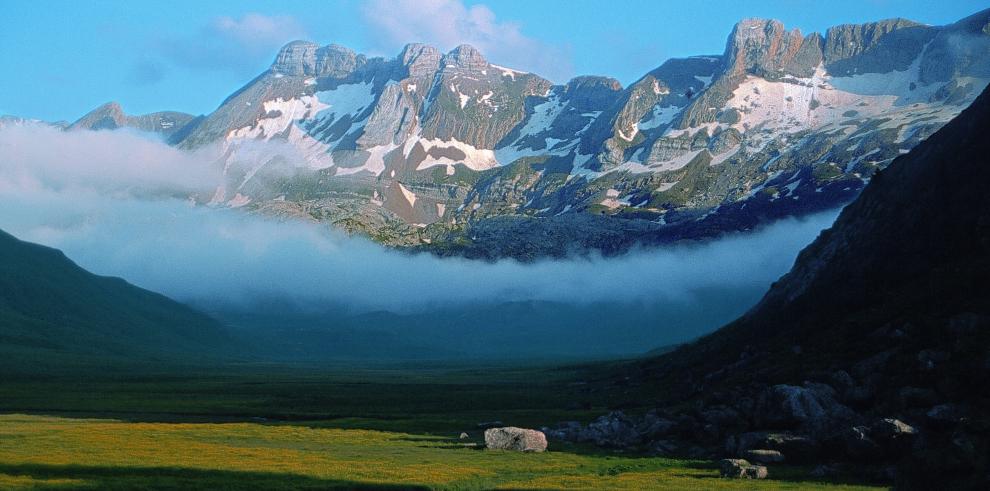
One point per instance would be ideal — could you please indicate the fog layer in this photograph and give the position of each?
(117, 203)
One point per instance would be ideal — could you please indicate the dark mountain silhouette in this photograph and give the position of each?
(47, 302)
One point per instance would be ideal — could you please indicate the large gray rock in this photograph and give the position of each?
(813, 407)
(741, 469)
(614, 429)
(516, 439)
(892, 429)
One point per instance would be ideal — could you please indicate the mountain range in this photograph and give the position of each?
(449, 153)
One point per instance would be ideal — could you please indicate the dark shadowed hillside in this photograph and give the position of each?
(875, 349)
(910, 255)
(47, 302)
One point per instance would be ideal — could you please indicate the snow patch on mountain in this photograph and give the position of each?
(659, 116)
(475, 158)
(541, 121)
(409, 195)
(347, 99)
(508, 72)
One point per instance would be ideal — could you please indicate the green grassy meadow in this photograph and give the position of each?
(290, 427)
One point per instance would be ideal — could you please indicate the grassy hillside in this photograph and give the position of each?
(50, 306)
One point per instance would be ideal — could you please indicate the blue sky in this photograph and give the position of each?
(61, 58)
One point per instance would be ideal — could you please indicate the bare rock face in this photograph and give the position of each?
(296, 58)
(420, 60)
(812, 407)
(516, 439)
(466, 57)
(765, 48)
(337, 61)
(474, 102)
(959, 49)
(303, 58)
(874, 47)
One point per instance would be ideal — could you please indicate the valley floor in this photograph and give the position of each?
(264, 427)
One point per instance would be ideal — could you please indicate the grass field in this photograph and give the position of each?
(268, 427)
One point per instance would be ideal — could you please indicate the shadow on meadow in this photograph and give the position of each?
(178, 478)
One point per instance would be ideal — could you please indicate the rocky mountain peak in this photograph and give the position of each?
(111, 107)
(590, 92)
(111, 116)
(593, 82)
(296, 58)
(337, 61)
(874, 47)
(420, 59)
(465, 56)
(106, 117)
(766, 48)
(305, 58)
(958, 50)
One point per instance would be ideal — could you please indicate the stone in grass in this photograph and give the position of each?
(464, 436)
(517, 439)
(741, 469)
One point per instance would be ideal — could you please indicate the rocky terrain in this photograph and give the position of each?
(869, 357)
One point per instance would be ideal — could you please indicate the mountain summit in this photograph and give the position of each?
(111, 116)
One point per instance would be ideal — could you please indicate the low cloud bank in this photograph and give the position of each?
(114, 203)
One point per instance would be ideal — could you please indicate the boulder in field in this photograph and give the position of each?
(517, 439)
(741, 469)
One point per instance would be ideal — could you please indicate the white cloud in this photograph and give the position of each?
(239, 45)
(117, 163)
(117, 202)
(448, 23)
(256, 30)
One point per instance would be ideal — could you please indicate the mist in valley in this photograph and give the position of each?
(118, 203)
